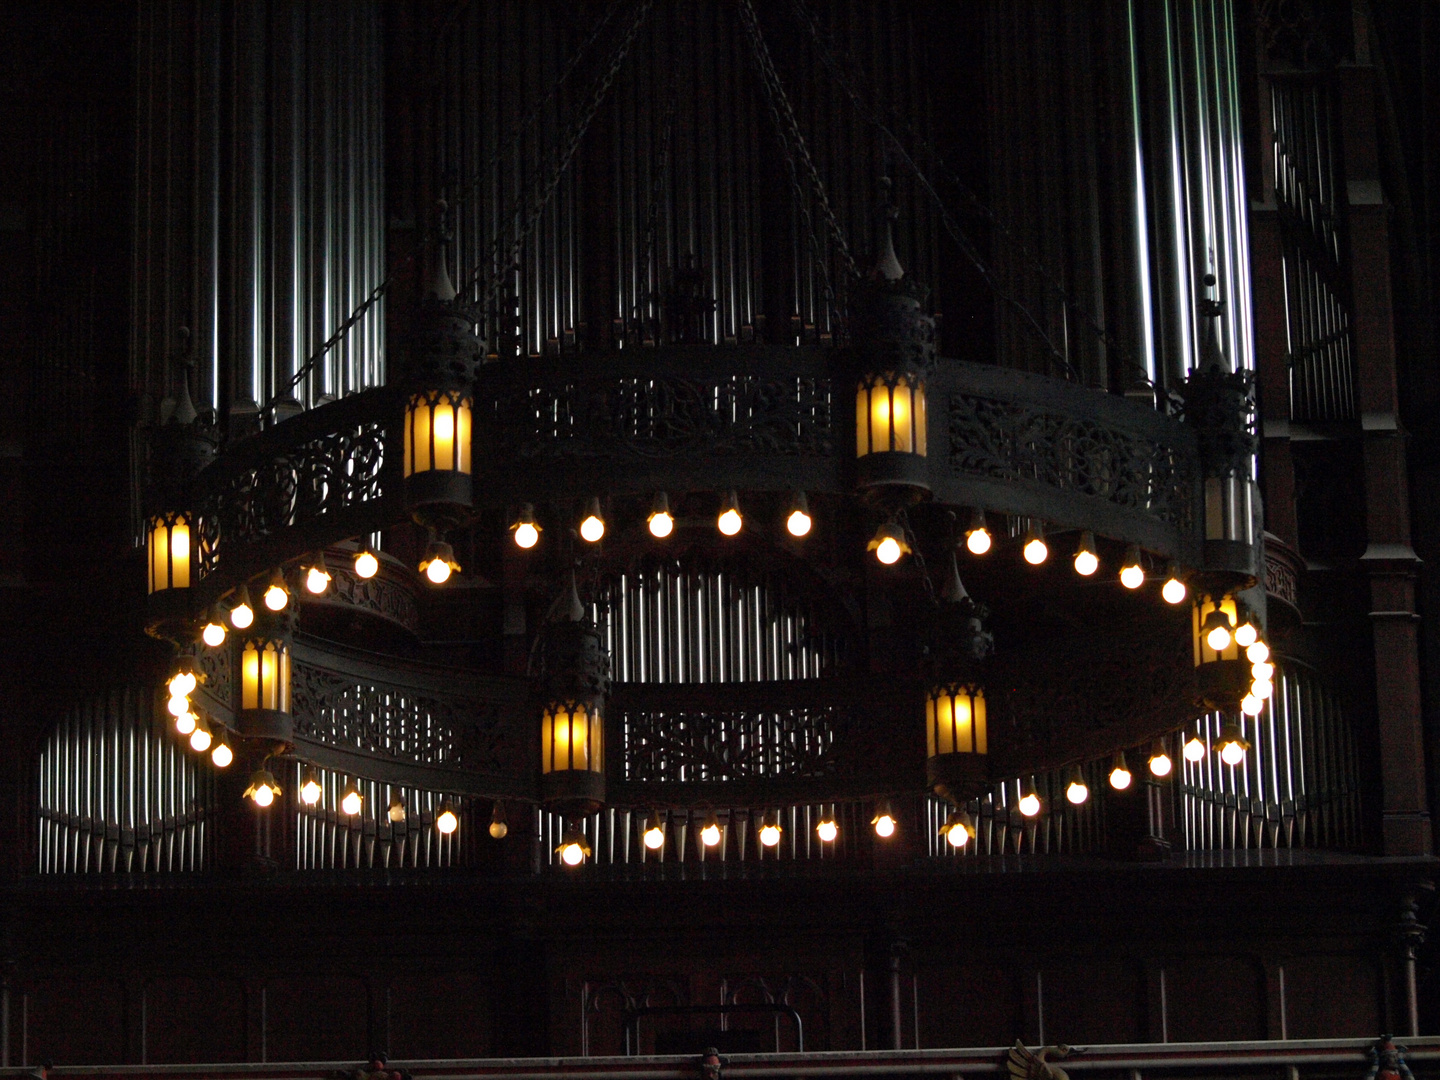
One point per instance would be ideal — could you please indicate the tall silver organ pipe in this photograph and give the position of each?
(259, 200)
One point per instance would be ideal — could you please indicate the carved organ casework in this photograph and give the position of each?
(663, 413)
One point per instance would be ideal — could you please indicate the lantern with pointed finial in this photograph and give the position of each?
(440, 377)
(576, 678)
(956, 723)
(893, 348)
(264, 648)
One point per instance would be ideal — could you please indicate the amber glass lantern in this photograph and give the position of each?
(169, 552)
(890, 429)
(1221, 669)
(957, 739)
(437, 445)
(265, 681)
(572, 752)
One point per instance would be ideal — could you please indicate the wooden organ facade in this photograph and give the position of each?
(660, 218)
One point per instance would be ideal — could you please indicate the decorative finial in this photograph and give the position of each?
(954, 591)
(184, 407)
(439, 285)
(887, 265)
(567, 606)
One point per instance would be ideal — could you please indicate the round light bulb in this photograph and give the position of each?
(499, 829)
(978, 541)
(1036, 552)
(213, 634)
(1173, 591)
(827, 831)
(366, 564)
(888, 551)
(1262, 689)
(1086, 563)
(572, 854)
(770, 835)
(1262, 672)
(957, 835)
(200, 740)
(182, 684)
(1232, 754)
(396, 812)
(798, 523)
(447, 822)
(1119, 778)
(662, 524)
(316, 581)
(729, 522)
(654, 837)
(241, 616)
(222, 755)
(351, 802)
(310, 792)
(438, 571)
(592, 529)
(276, 598)
(1246, 635)
(710, 835)
(1251, 705)
(1218, 638)
(885, 826)
(1077, 792)
(1194, 749)
(1132, 576)
(178, 706)
(1030, 804)
(263, 795)
(527, 536)
(1160, 764)
(186, 723)
(1258, 653)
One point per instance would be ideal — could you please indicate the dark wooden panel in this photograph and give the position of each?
(1332, 997)
(317, 1018)
(440, 1016)
(75, 1021)
(1219, 998)
(1096, 1002)
(967, 1006)
(190, 1020)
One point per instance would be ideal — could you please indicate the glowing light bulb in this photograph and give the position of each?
(222, 755)
(1120, 773)
(1232, 754)
(654, 835)
(1258, 653)
(276, 597)
(200, 739)
(310, 791)
(1262, 671)
(1036, 551)
(213, 634)
(367, 564)
(351, 801)
(978, 541)
(1251, 705)
(888, 551)
(1194, 749)
(447, 822)
(1160, 763)
(438, 571)
(178, 705)
(1029, 804)
(263, 796)
(182, 684)
(397, 813)
(729, 522)
(1077, 791)
(956, 834)
(769, 834)
(317, 580)
(710, 834)
(241, 616)
(661, 524)
(572, 854)
(827, 830)
(1218, 638)
(263, 788)
(1132, 577)
(527, 536)
(1262, 689)
(592, 529)
(885, 826)
(1246, 635)
(1174, 591)
(798, 523)
(186, 723)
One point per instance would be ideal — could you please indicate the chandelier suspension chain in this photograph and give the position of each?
(489, 291)
(979, 206)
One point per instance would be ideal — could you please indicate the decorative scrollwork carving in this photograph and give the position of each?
(665, 416)
(697, 746)
(1006, 440)
(380, 595)
(395, 722)
(215, 667)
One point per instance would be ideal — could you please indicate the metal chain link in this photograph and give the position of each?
(333, 340)
(494, 282)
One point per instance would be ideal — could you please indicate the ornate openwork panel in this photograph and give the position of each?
(1032, 445)
(118, 793)
(732, 744)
